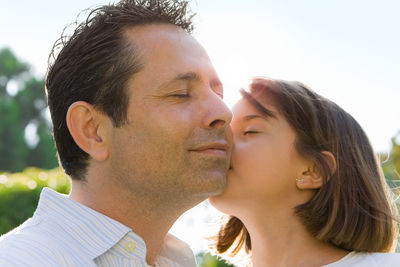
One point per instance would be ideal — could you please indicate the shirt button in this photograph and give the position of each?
(129, 246)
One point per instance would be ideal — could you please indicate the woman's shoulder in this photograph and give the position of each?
(380, 258)
(358, 259)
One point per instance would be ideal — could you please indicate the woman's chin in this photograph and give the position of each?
(214, 200)
(220, 202)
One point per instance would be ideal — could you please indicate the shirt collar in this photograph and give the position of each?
(94, 231)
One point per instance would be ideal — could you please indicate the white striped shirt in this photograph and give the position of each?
(63, 232)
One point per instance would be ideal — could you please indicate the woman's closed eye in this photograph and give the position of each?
(250, 132)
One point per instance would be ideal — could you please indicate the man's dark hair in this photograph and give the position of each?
(95, 63)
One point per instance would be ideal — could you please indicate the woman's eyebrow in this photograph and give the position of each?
(265, 111)
(256, 116)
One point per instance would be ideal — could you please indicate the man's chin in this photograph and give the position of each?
(217, 189)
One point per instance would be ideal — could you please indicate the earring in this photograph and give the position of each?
(300, 180)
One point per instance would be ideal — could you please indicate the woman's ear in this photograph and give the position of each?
(309, 179)
(330, 159)
(312, 177)
(86, 126)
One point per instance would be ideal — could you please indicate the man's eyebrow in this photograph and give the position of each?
(188, 76)
(192, 76)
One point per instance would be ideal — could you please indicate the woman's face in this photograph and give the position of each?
(265, 163)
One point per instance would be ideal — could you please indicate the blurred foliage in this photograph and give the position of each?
(10, 67)
(391, 165)
(22, 107)
(208, 260)
(19, 193)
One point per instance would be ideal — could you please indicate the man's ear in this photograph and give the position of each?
(87, 127)
(312, 178)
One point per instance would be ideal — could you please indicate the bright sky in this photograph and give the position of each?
(348, 51)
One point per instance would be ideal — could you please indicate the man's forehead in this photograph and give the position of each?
(165, 42)
(149, 35)
(169, 54)
(164, 45)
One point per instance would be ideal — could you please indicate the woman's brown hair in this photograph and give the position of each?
(353, 209)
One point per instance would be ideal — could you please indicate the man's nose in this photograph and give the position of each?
(218, 114)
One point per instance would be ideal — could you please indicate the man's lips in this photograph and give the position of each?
(216, 149)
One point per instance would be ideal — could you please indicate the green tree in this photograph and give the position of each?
(10, 68)
(391, 165)
(19, 193)
(209, 260)
(19, 109)
(13, 148)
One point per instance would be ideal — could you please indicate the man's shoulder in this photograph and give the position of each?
(32, 230)
(32, 244)
(23, 244)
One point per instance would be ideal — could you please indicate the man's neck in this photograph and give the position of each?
(151, 221)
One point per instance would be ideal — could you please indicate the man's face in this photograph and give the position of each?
(177, 142)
